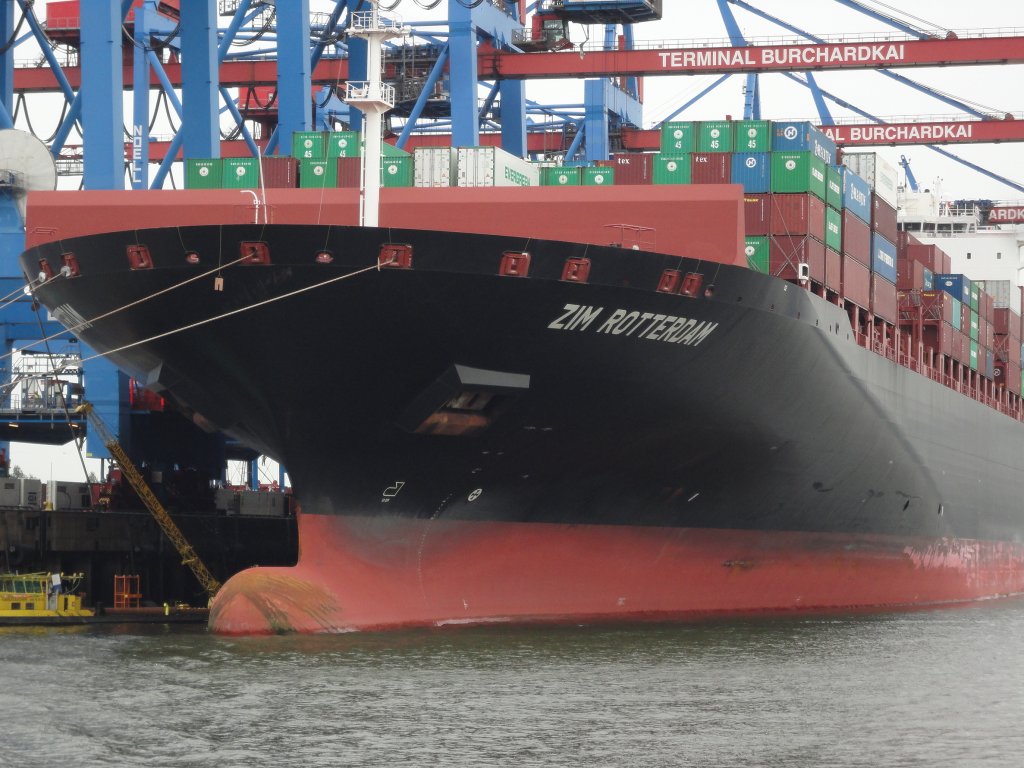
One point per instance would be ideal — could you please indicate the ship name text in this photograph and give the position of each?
(784, 56)
(652, 326)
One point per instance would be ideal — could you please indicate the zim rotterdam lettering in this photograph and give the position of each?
(640, 325)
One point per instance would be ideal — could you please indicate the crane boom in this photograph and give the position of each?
(163, 519)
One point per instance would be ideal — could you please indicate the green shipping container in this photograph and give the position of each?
(798, 172)
(757, 254)
(390, 150)
(396, 171)
(975, 297)
(317, 174)
(598, 177)
(752, 136)
(203, 173)
(241, 173)
(308, 145)
(974, 325)
(560, 177)
(834, 229)
(834, 187)
(342, 144)
(679, 138)
(714, 136)
(974, 355)
(957, 313)
(671, 169)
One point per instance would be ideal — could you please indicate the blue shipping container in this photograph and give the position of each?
(929, 281)
(856, 195)
(753, 171)
(883, 257)
(957, 286)
(803, 137)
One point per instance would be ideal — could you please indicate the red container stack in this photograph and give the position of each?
(856, 238)
(757, 211)
(833, 270)
(634, 168)
(711, 168)
(1006, 341)
(280, 172)
(856, 282)
(931, 256)
(883, 298)
(883, 219)
(798, 215)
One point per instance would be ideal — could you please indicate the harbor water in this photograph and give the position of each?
(924, 688)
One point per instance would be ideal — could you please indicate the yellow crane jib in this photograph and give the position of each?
(141, 487)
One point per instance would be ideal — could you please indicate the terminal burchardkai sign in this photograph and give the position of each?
(1006, 214)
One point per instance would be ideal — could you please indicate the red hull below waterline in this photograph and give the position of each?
(358, 573)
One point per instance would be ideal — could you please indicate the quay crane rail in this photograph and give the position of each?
(188, 555)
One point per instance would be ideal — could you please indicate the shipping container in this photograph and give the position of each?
(959, 286)
(491, 167)
(342, 144)
(786, 253)
(974, 326)
(309, 145)
(598, 177)
(794, 172)
(833, 229)
(975, 297)
(678, 138)
(241, 173)
(883, 257)
(965, 317)
(757, 214)
(433, 166)
(560, 177)
(349, 172)
(938, 338)
(710, 168)
(203, 173)
(633, 167)
(280, 172)
(756, 250)
(931, 256)
(910, 274)
(878, 172)
(856, 237)
(929, 279)
(856, 282)
(390, 150)
(939, 306)
(798, 215)
(856, 195)
(883, 298)
(714, 136)
(753, 171)
(318, 174)
(31, 493)
(833, 270)
(999, 290)
(10, 492)
(974, 355)
(1006, 321)
(833, 187)
(396, 171)
(883, 218)
(803, 137)
(752, 136)
(672, 169)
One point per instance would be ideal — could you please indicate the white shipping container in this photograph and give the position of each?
(999, 290)
(226, 500)
(433, 166)
(31, 492)
(10, 492)
(876, 171)
(71, 495)
(493, 167)
(265, 503)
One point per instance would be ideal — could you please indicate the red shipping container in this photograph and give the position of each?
(883, 218)
(964, 349)
(633, 168)
(965, 317)
(937, 305)
(1013, 382)
(856, 282)
(883, 298)
(984, 333)
(856, 238)
(280, 172)
(349, 172)
(833, 270)
(909, 274)
(757, 212)
(785, 253)
(802, 214)
(711, 168)
(1006, 321)
(931, 256)
(938, 337)
(903, 240)
(1001, 374)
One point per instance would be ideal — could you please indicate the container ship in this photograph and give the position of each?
(691, 388)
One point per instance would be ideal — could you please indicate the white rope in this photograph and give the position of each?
(208, 320)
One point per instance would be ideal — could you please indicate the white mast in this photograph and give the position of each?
(373, 98)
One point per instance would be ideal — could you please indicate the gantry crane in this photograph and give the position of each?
(141, 487)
